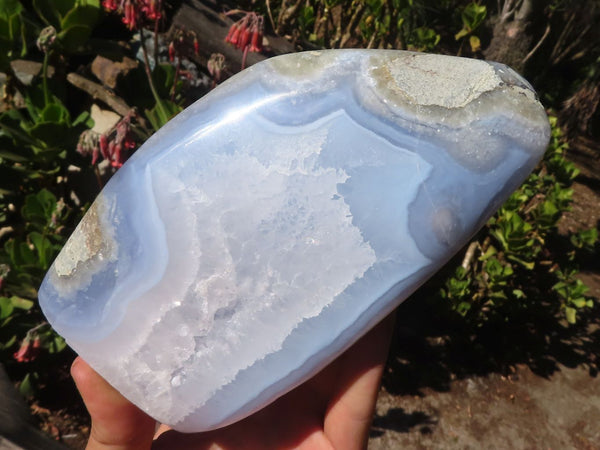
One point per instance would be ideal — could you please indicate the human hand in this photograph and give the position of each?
(332, 410)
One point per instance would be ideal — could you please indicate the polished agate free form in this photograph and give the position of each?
(272, 223)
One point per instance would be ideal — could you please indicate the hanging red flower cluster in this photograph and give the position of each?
(109, 145)
(247, 33)
(29, 349)
(179, 46)
(135, 12)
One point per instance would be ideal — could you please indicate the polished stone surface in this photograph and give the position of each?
(272, 223)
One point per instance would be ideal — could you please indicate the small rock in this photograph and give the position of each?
(104, 119)
(26, 70)
(109, 71)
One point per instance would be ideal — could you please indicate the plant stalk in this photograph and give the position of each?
(45, 77)
(150, 81)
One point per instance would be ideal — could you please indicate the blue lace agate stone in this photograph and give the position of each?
(271, 224)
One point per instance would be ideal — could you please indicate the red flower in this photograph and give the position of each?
(117, 160)
(244, 38)
(247, 32)
(131, 14)
(94, 155)
(151, 9)
(128, 142)
(230, 33)
(172, 51)
(29, 350)
(234, 34)
(256, 41)
(196, 46)
(110, 5)
(103, 145)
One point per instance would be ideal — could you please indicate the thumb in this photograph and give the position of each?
(117, 424)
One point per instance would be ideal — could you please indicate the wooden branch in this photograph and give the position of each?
(538, 45)
(469, 255)
(354, 21)
(268, 2)
(574, 43)
(562, 37)
(97, 91)
(508, 9)
(286, 15)
(525, 10)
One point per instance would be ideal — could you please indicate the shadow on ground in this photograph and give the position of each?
(400, 421)
(433, 347)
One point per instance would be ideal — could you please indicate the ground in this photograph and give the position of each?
(518, 411)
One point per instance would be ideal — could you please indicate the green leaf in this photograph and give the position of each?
(26, 387)
(21, 303)
(6, 307)
(57, 344)
(39, 207)
(50, 133)
(424, 38)
(9, 8)
(164, 77)
(55, 113)
(529, 265)
(86, 15)
(473, 15)
(11, 156)
(19, 253)
(83, 119)
(74, 38)
(571, 314)
(64, 6)
(475, 43)
(13, 338)
(26, 254)
(491, 251)
(43, 247)
(153, 118)
(585, 238)
(162, 113)
(47, 11)
(579, 302)
(462, 33)
(518, 293)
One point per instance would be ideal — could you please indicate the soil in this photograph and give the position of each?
(518, 411)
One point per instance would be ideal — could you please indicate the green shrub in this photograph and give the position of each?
(510, 264)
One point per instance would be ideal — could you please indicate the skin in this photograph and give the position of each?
(333, 410)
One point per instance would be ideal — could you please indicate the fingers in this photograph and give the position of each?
(350, 412)
(116, 423)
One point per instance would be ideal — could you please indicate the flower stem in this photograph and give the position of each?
(150, 81)
(98, 177)
(156, 36)
(36, 328)
(175, 78)
(45, 78)
(244, 56)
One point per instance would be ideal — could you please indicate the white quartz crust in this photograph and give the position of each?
(271, 224)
